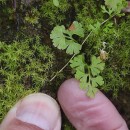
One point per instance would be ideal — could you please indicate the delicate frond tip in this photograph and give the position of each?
(114, 6)
(88, 75)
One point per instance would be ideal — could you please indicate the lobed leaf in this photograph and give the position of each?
(97, 81)
(57, 35)
(63, 39)
(78, 63)
(78, 29)
(91, 92)
(88, 75)
(56, 3)
(89, 84)
(96, 66)
(73, 48)
(115, 5)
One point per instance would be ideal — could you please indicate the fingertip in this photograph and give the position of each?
(88, 113)
(71, 92)
(34, 112)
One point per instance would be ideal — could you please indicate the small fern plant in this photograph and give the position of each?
(89, 74)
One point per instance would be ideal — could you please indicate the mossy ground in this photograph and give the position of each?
(28, 60)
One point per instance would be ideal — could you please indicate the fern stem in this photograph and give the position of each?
(70, 59)
(107, 19)
(86, 38)
(76, 54)
(62, 68)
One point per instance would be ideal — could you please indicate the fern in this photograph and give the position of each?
(114, 6)
(88, 75)
(63, 39)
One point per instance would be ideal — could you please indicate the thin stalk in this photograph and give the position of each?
(70, 59)
(107, 19)
(76, 54)
(62, 68)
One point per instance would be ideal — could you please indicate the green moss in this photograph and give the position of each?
(25, 66)
(116, 33)
(26, 60)
(118, 66)
(55, 15)
(2, 1)
(10, 94)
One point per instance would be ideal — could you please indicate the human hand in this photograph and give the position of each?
(41, 112)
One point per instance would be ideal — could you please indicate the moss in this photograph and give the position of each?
(116, 33)
(26, 60)
(117, 69)
(25, 68)
(53, 14)
(10, 94)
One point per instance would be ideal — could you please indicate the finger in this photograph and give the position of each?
(34, 112)
(88, 114)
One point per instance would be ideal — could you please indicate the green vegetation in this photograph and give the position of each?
(24, 68)
(63, 39)
(56, 2)
(90, 80)
(92, 37)
(88, 75)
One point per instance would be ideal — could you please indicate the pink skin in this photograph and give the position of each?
(88, 114)
(41, 112)
(35, 112)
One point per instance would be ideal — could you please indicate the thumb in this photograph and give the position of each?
(88, 114)
(34, 112)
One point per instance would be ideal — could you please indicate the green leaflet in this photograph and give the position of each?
(78, 63)
(88, 75)
(114, 6)
(78, 29)
(58, 37)
(105, 10)
(56, 3)
(97, 81)
(63, 39)
(95, 28)
(73, 47)
(96, 65)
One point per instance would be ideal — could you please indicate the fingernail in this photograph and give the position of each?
(37, 109)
